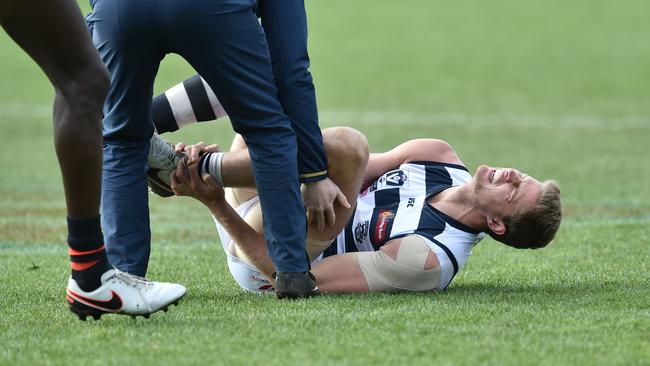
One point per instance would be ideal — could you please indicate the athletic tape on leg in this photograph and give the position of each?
(315, 247)
(406, 273)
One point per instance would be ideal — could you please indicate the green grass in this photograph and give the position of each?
(558, 89)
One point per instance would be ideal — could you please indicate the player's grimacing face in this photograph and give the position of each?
(505, 191)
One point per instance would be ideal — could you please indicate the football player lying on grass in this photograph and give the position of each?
(416, 212)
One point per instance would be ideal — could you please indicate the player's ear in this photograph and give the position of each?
(496, 225)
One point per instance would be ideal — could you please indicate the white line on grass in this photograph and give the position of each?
(25, 110)
(27, 247)
(352, 117)
(330, 117)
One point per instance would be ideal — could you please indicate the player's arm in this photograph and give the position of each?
(248, 240)
(211, 194)
(412, 150)
(185, 103)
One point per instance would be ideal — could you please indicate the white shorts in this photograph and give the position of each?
(246, 275)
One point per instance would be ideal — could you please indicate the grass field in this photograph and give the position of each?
(557, 89)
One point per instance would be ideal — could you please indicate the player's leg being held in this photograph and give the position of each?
(347, 151)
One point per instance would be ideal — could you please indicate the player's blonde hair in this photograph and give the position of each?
(532, 229)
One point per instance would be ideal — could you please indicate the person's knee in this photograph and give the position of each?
(78, 105)
(238, 143)
(84, 90)
(346, 144)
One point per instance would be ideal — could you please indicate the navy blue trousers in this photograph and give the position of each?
(285, 25)
(223, 41)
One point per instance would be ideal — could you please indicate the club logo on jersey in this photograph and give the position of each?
(396, 178)
(361, 231)
(384, 218)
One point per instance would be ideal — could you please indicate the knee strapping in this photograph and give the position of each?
(315, 247)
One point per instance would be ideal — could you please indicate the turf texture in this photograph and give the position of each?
(557, 89)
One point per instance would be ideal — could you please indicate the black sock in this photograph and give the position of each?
(87, 252)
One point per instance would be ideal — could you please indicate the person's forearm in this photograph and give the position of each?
(246, 238)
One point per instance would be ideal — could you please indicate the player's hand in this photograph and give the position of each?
(185, 181)
(319, 198)
(195, 151)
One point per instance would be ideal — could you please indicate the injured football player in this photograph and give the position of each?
(416, 211)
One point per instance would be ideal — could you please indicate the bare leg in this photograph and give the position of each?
(347, 154)
(342, 273)
(347, 151)
(54, 34)
(242, 178)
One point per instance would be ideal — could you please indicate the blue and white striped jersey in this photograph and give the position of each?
(395, 206)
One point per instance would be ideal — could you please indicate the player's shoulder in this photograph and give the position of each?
(438, 164)
(432, 150)
(436, 174)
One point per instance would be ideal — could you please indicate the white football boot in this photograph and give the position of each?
(162, 160)
(123, 293)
